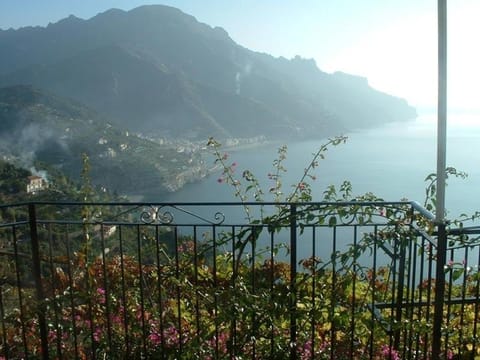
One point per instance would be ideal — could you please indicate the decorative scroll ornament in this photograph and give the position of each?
(157, 215)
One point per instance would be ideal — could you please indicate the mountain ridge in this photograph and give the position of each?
(196, 81)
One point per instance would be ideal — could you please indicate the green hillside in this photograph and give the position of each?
(37, 126)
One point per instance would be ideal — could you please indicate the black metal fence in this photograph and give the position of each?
(349, 280)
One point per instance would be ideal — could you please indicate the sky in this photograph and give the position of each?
(393, 43)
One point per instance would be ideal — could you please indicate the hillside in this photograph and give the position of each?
(159, 71)
(36, 126)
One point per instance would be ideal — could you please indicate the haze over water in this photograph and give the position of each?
(390, 161)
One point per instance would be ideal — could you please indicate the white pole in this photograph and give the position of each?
(441, 177)
(442, 110)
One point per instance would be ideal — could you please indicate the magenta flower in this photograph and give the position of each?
(306, 351)
(97, 334)
(52, 335)
(389, 353)
(172, 337)
(101, 291)
(155, 338)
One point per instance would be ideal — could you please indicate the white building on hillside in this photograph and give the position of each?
(36, 183)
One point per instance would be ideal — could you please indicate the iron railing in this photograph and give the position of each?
(352, 280)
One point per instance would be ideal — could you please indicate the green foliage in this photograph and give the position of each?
(333, 213)
(430, 202)
(41, 127)
(13, 180)
(193, 305)
(153, 293)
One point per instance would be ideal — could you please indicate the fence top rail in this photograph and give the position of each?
(413, 204)
(424, 212)
(164, 212)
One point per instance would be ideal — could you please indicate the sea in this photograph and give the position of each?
(390, 161)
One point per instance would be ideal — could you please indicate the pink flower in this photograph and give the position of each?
(97, 333)
(449, 354)
(221, 341)
(220, 180)
(101, 292)
(52, 335)
(306, 351)
(389, 353)
(155, 338)
(116, 319)
(172, 336)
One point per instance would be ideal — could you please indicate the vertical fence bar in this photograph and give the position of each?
(272, 280)
(333, 329)
(421, 287)
(106, 294)
(429, 294)
(215, 287)
(410, 296)
(195, 280)
(293, 279)
(463, 297)
(71, 292)
(476, 306)
(55, 303)
(374, 293)
(400, 289)
(354, 294)
(6, 347)
(20, 292)
(32, 217)
(314, 276)
(254, 293)
(233, 350)
(439, 291)
(141, 285)
(124, 312)
(177, 289)
(449, 307)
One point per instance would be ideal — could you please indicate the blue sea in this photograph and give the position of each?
(390, 161)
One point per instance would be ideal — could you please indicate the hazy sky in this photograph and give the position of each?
(391, 42)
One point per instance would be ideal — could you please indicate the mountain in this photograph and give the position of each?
(36, 126)
(159, 71)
